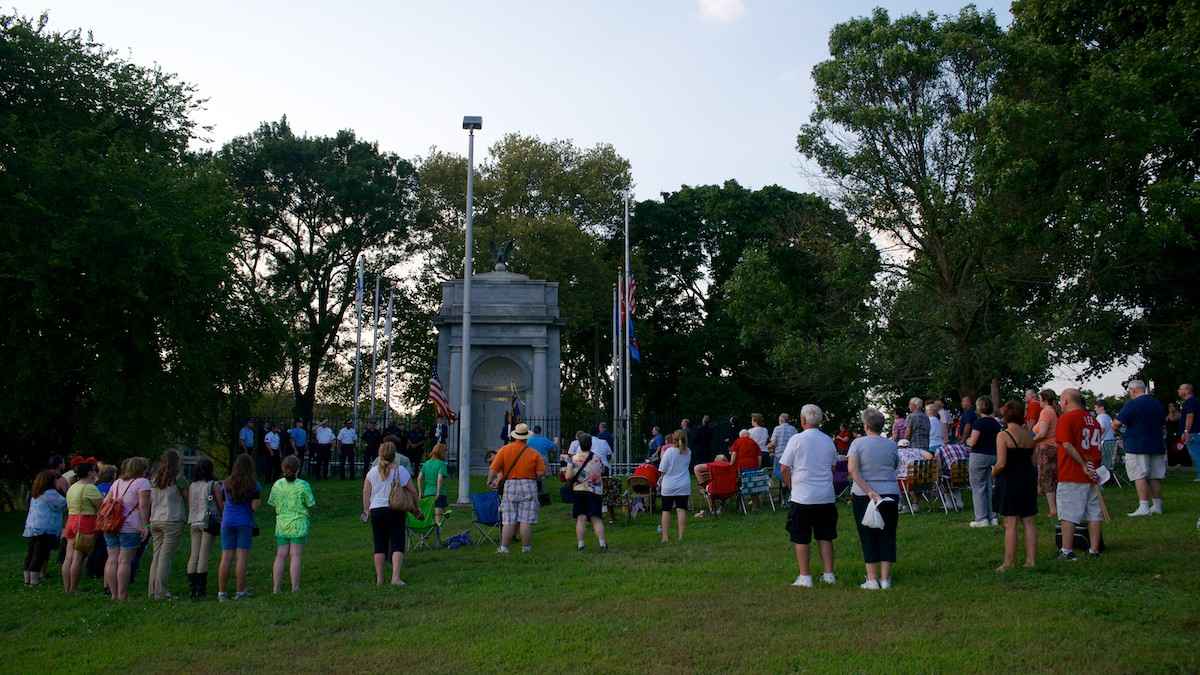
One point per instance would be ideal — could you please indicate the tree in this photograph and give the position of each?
(1099, 115)
(310, 207)
(122, 328)
(898, 129)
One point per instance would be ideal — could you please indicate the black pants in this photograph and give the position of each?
(321, 470)
(878, 545)
(388, 528)
(346, 461)
(38, 552)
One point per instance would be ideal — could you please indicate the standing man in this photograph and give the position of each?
(298, 439)
(966, 421)
(372, 438)
(1143, 419)
(602, 449)
(917, 422)
(1108, 437)
(604, 434)
(780, 435)
(1189, 425)
(346, 440)
(270, 454)
(758, 434)
(324, 446)
(656, 441)
(807, 464)
(1078, 492)
(520, 470)
(246, 438)
(705, 436)
(543, 445)
(1033, 408)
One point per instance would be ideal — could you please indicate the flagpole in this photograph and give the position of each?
(616, 321)
(374, 343)
(464, 389)
(358, 298)
(387, 380)
(628, 337)
(619, 437)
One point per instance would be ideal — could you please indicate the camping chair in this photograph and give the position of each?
(722, 486)
(921, 480)
(841, 478)
(424, 528)
(639, 488)
(956, 479)
(487, 513)
(1108, 457)
(756, 482)
(614, 498)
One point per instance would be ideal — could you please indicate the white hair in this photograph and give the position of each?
(1136, 385)
(783, 417)
(743, 433)
(872, 420)
(811, 414)
(915, 401)
(931, 409)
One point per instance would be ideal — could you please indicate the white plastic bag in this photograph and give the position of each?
(872, 518)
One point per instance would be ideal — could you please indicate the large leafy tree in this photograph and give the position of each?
(899, 128)
(310, 207)
(1099, 116)
(122, 330)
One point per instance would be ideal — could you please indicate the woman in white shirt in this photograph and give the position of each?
(675, 484)
(387, 526)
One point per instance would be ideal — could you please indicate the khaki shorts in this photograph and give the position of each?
(1078, 503)
(1139, 467)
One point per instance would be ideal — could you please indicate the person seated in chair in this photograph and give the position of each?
(704, 473)
(744, 453)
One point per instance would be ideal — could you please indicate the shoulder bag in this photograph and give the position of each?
(212, 522)
(500, 485)
(402, 498)
(567, 491)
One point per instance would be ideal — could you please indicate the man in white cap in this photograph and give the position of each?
(347, 438)
(324, 444)
(515, 470)
(1143, 419)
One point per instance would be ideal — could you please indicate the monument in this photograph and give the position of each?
(515, 332)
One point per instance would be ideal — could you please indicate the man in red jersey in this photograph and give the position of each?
(1078, 436)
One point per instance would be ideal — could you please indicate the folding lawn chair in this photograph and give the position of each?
(956, 479)
(1108, 457)
(841, 478)
(487, 513)
(922, 480)
(722, 486)
(756, 482)
(639, 488)
(614, 498)
(424, 528)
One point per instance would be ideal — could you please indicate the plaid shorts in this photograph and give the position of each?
(520, 502)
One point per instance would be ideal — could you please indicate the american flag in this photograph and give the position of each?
(438, 397)
(635, 350)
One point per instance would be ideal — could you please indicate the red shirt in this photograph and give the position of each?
(842, 442)
(747, 451)
(1081, 430)
(1032, 410)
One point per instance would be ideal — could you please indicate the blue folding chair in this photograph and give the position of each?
(487, 513)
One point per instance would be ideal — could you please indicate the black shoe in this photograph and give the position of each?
(191, 585)
(201, 585)
(1068, 556)
(1094, 555)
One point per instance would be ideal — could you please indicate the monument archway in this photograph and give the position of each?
(493, 382)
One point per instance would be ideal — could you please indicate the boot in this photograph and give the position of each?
(202, 585)
(194, 584)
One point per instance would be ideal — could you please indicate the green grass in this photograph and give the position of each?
(719, 602)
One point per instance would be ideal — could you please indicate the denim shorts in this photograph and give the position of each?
(122, 540)
(236, 537)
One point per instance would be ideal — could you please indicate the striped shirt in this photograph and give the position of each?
(780, 436)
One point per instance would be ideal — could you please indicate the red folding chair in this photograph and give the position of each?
(722, 486)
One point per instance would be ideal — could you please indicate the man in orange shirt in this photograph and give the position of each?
(520, 469)
(1033, 408)
(1078, 436)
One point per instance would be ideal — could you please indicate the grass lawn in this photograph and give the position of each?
(718, 602)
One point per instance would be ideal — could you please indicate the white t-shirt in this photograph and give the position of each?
(347, 436)
(811, 455)
(1105, 422)
(935, 432)
(676, 479)
(602, 449)
(324, 435)
(272, 440)
(759, 435)
(380, 488)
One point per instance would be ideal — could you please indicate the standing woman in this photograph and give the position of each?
(388, 527)
(43, 524)
(132, 491)
(873, 460)
(238, 499)
(1047, 450)
(1016, 485)
(432, 478)
(292, 497)
(585, 474)
(979, 465)
(675, 485)
(83, 500)
(201, 501)
(168, 513)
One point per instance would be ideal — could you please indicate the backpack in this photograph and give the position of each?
(111, 516)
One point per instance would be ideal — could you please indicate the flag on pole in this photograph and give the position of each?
(438, 397)
(518, 412)
(635, 352)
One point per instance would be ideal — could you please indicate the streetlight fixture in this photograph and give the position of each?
(471, 123)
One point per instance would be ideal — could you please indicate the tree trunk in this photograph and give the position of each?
(996, 393)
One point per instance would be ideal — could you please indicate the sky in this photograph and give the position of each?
(690, 91)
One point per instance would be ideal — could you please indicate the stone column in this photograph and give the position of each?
(454, 380)
(539, 385)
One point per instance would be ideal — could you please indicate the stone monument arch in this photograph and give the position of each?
(515, 343)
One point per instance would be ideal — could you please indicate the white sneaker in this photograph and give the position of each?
(526, 549)
(502, 549)
(1156, 509)
(1142, 510)
(829, 578)
(981, 523)
(885, 584)
(994, 522)
(803, 582)
(869, 585)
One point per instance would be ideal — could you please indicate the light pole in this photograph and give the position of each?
(471, 123)
(358, 300)
(627, 314)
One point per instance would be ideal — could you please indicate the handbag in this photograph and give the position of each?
(402, 498)
(84, 543)
(212, 522)
(543, 496)
(500, 484)
(567, 491)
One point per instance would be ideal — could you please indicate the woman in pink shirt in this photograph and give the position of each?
(133, 491)
(1046, 451)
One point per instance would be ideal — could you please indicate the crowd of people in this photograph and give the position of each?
(1050, 446)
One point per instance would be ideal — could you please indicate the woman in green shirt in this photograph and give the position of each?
(431, 478)
(292, 497)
